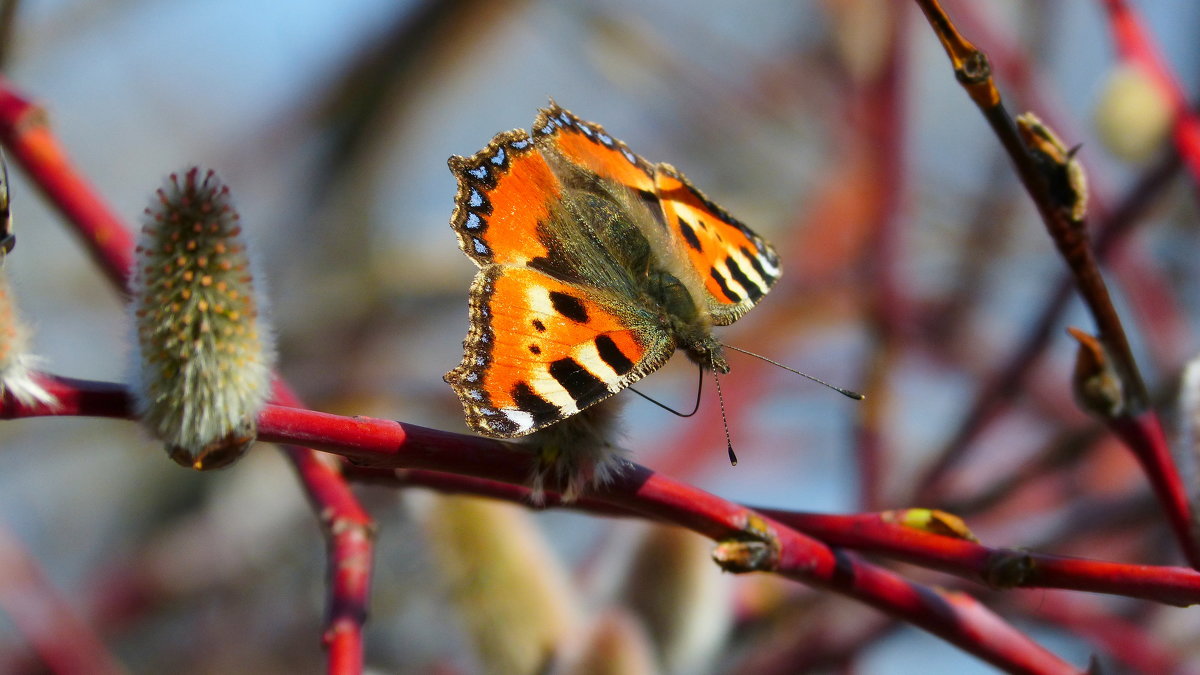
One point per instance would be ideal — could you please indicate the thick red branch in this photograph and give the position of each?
(25, 132)
(389, 444)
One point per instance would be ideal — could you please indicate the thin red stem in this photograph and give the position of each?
(996, 567)
(1072, 239)
(956, 618)
(881, 106)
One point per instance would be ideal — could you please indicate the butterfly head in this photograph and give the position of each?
(709, 353)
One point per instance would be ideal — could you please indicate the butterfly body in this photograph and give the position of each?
(595, 266)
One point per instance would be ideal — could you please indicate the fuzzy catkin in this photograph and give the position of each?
(16, 377)
(204, 360)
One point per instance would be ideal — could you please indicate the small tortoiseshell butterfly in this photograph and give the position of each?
(595, 265)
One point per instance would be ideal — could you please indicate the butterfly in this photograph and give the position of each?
(594, 267)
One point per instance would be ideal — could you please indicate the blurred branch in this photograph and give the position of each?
(48, 623)
(380, 83)
(1131, 420)
(1007, 380)
(881, 104)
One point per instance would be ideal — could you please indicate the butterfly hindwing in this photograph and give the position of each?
(736, 266)
(541, 349)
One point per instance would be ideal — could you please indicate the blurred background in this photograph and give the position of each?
(914, 267)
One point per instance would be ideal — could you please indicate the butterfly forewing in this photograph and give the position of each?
(504, 191)
(736, 266)
(590, 147)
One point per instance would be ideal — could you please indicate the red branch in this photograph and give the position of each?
(26, 134)
(997, 567)
(394, 453)
(881, 104)
(956, 618)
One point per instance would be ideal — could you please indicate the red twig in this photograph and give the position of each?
(1007, 379)
(1127, 641)
(26, 134)
(957, 619)
(996, 567)
(349, 531)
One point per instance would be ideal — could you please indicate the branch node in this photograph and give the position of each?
(754, 549)
(1096, 383)
(1008, 568)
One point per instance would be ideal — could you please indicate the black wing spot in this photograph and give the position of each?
(543, 411)
(569, 306)
(613, 356)
(762, 273)
(538, 325)
(724, 284)
(689, 235)
(583, 386)
(739, 276)
(535, 350)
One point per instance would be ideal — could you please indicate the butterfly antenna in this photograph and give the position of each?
(724, 420)
(844, 392)
(699, 390)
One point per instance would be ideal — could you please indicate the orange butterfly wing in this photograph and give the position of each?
(504, 191)
(589, 146)
(541, 349)
(736, 265)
